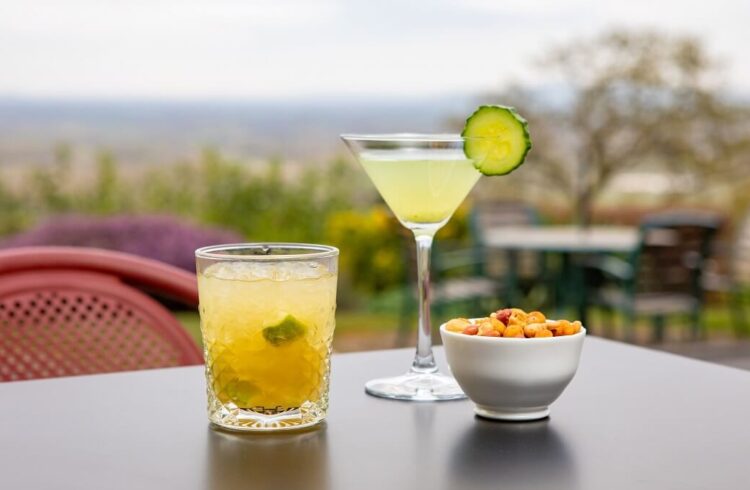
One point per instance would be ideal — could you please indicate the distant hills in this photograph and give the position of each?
(144, 131)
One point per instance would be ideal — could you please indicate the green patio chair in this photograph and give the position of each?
(520, 271)
(461, 282)
(729, 274)
(662, 277)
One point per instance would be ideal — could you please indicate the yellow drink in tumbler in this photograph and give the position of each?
(267, 330)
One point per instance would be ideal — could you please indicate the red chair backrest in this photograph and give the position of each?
(69, 311)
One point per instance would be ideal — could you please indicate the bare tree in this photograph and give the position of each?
(635, 99)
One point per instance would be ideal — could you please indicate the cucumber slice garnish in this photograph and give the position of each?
(497, 139)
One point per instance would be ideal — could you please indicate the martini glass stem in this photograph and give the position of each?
(424, 362)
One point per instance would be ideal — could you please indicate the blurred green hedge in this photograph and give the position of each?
(333, 203)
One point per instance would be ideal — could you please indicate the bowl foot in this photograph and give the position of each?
(512, 415)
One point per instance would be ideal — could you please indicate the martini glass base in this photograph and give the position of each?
(417, 387)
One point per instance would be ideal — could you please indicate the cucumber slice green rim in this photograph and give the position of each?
(497, 139)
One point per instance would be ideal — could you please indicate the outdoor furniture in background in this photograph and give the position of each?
(475, 279)
(663, 276)
(734, 281)
(459, 282)
(167, 239)
(564, 238)
(573, 244)
(520, 270)
(461, 279)
(68, 311)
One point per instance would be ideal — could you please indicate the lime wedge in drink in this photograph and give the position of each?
(286, 330)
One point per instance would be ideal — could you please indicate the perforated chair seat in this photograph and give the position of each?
(70, 320)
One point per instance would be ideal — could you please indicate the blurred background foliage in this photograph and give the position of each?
(635, 102)
(331, 203)
(638, 103)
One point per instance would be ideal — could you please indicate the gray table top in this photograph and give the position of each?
(563, 238)
(631, 419)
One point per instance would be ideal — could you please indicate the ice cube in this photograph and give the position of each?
(258, 270)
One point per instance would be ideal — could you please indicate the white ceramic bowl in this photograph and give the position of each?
(512, 378)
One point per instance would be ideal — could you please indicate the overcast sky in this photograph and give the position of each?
(303, 48)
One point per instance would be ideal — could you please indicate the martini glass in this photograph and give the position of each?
(423, 178)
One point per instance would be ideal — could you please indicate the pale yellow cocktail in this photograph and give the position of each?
(423, 187)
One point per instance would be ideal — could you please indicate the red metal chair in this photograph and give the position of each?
(68, 311)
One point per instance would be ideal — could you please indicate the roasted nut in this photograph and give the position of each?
(485, 326)
(503, 315)
(570, 328)
(471, 330)
(517, 314)
(554, 327)
(543, 332)
(489, 333)
(575, 327)
(563, 327)
(513, 331)
(457, 325)
(516, 321)
(536, 317)
(531, 329)
(497, 325)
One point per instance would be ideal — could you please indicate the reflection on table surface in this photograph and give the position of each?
(517, 455)
(283, 460)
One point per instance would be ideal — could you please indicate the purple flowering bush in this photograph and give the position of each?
(164, 238)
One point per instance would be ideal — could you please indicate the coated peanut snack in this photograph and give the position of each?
(514, 322)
